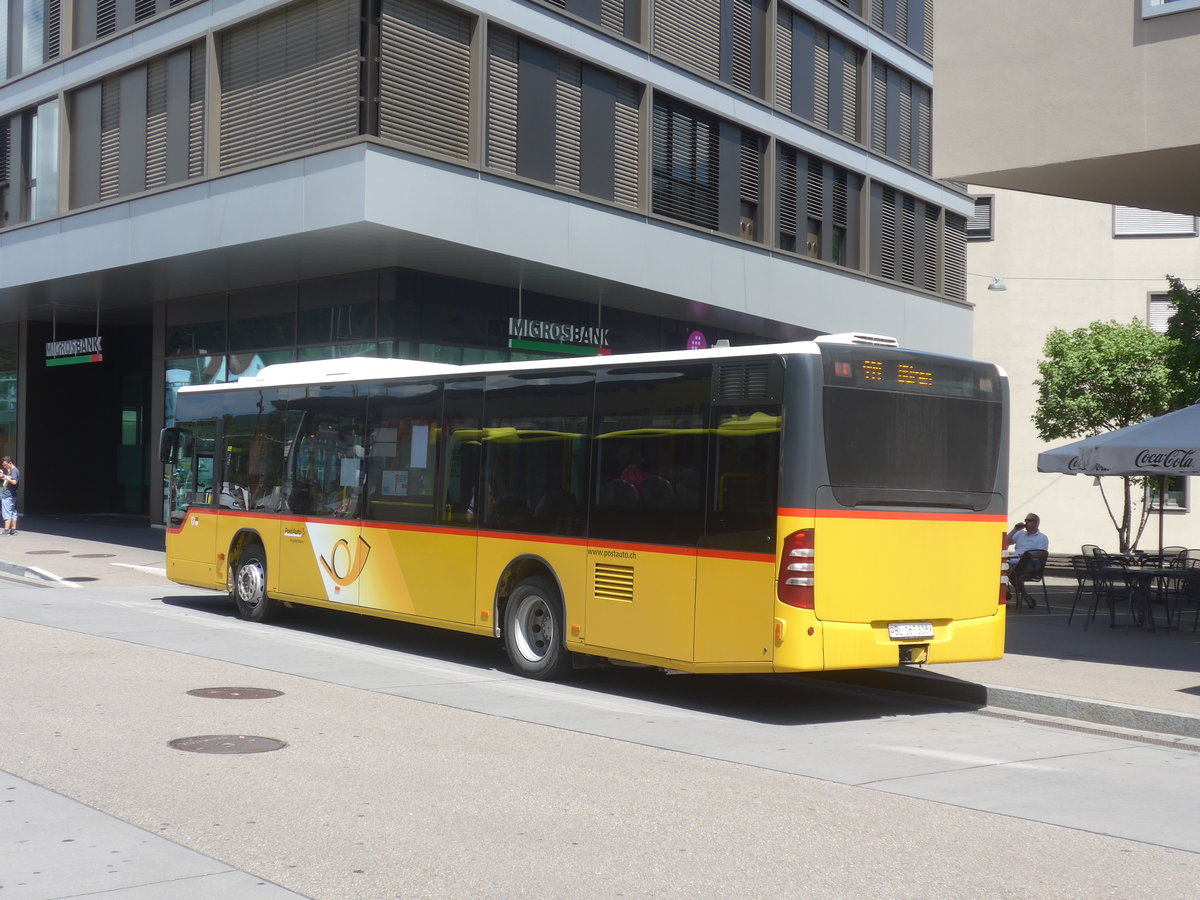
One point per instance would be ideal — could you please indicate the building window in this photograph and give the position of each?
(908, 21)
(686, 164)
(1129, 221)
(555, 119)
(1152, 8)
(979, 226)
(901, 118)
(817, 74)
(1176, 495)
(621, 17)
(825, 200)
(724, 39)
(1158, 316)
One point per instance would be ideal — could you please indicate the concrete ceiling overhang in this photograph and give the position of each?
(1164, 180)
(123, 293)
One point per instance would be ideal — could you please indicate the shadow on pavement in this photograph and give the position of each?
(800, 699)
(126, 531)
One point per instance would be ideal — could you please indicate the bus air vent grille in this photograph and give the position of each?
(614, 582)
(744, 381)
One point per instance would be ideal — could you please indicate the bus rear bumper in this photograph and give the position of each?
(858, 645)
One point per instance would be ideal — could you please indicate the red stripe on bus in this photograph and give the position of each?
(495, 535)
(888, 514)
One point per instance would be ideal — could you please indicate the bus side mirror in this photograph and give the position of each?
(168, 446)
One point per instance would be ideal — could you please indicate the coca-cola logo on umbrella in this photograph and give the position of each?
(1165, 459)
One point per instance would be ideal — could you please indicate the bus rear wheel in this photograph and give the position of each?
(248, 585)
(534, 632)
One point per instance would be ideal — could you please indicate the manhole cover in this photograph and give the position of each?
(92, 555)
(81, 578)
(45, 552)
(227, 743)
(236, 693)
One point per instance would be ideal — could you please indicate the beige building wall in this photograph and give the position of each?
(1090, 99)
(1064, 269)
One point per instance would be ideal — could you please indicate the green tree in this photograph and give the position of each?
(1183, 356)
(1100, 378)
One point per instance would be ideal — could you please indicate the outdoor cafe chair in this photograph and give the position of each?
(1109, 585)
(1186, 593)
(1084, 581)
(1030, 568)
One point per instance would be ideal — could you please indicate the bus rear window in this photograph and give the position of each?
(911, 449)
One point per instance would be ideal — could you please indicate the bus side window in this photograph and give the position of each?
(745, 477)
(327, 454)
(404, 434)
(462, 438)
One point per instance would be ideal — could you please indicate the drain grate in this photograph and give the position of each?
(81, 578)
(45, 552)
(226, 743)
(236, 693)
(92, 555)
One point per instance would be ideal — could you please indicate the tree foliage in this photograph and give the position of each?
(1100, 378)
(1183, 354)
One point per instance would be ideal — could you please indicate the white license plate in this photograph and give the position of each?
(907, 631)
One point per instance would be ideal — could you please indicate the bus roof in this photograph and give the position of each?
(363, 368)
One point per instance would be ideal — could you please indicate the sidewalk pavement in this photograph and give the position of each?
(1125, 676)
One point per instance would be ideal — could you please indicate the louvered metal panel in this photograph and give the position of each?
(743, 45)
(1129, 220)
(613, 582)
(53, 28)
(979, 226)
(821, 79)
(783, 59)
(110, 137)
(930, 262)
(689, 31)
(850, 66)
(425, 76)
(887, 233)
(876, 13)
(612, 15)
(5, 151)
(954, 253)
(815, 187)
(924, 126)
(568, 116)
(745, 382)
(928, 48)
(196, 112)
(502, 100)
(626, 145)
(840, 200)
(879, 98)
(156, 122)
(787, 207)
(906, 120)
(289, 81)
(750, 171)
(106, 17)
(143, 9)
(908, 240)
(901, 21)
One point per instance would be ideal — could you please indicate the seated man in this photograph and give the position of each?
(1023, 537)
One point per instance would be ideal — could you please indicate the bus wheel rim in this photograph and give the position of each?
(250, 584)
(534, 628)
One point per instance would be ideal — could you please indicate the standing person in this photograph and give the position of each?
(9, 480)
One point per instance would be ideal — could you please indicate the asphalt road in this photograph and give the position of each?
(417, 765)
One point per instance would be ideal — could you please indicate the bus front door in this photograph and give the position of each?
(192, 508)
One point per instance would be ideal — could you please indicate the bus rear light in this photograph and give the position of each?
(1003, 580)
(797, 570)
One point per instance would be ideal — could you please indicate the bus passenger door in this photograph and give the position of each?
(192, 507)
(321, 549)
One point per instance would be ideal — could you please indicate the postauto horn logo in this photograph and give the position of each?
(342, 567)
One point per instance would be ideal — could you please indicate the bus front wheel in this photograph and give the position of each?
(534, 632)
(248, 585)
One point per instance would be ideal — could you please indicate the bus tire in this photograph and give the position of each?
(248, 585)
(534, 631)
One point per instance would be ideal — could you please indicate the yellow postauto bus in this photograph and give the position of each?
(794, 507)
